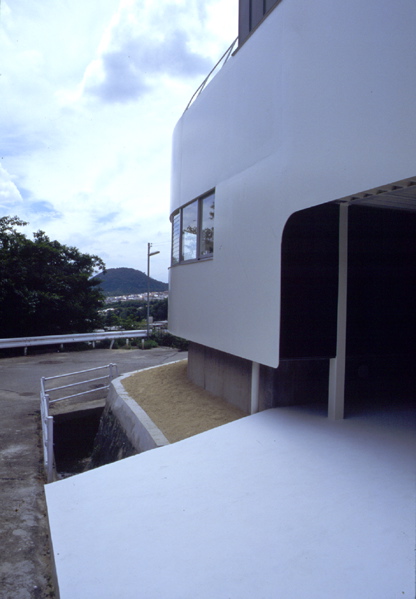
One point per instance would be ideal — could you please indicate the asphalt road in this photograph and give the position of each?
(25, 568)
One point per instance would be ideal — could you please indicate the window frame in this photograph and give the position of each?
(251, 14)
(178, 243)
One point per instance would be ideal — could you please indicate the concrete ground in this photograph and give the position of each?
(25, 568)
(282, 504)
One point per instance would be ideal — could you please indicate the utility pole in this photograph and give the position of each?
(149, 253)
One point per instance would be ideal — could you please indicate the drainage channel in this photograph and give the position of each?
(88, 438)
(74, 438)
(85, 438)
(69, 433)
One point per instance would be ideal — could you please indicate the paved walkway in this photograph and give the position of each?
(25, 569)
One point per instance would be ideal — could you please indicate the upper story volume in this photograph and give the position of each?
(251, 13)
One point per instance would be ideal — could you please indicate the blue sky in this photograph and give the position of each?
(90, 93)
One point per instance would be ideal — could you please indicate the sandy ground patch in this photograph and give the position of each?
(178, 407)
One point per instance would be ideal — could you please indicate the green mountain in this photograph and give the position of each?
(127, 281)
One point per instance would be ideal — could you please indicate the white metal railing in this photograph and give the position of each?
(46, 401)
(211, 74)
(47, 436)
(62, 339)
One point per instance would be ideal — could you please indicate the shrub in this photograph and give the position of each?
(168, 340)
(150, 344)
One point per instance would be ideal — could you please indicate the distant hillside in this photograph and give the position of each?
(127, 281)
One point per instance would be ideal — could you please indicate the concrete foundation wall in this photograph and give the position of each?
(222, 374)
(229, 377)
(370, 380)
(294, 382)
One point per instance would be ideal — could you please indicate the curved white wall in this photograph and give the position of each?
(316, 105)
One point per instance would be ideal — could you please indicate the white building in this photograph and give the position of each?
(293, 208)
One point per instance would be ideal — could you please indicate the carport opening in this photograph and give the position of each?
(381, 322)
(381, 300)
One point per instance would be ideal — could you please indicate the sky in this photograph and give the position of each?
(90, 92)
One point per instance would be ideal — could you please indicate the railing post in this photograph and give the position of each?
(113, 371)
(42, 385)
(47, 432)
(255, 382)
(49, 448)
(336, 387)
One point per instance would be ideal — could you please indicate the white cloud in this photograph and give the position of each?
(144, 41)
(91, 92)
(11, 200)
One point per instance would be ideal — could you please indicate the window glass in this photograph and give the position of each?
(176, 230)
(270, 4)
(193, 230)
(251, 13)
(206, 240)
(189, 231)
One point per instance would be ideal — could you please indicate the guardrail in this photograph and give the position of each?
(46, 401)
(211, 74)
(63, 339)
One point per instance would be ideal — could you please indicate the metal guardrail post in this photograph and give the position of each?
(49, 449)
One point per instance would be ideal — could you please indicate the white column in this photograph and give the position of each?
(255, 382)
(336, 391)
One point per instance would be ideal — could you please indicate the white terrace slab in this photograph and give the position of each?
(282, 504)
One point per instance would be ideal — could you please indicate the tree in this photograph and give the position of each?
(159, 309)
(46, 288)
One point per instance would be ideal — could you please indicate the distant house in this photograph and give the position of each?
(294, 209)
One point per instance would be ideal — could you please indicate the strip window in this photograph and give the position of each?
(193, 230)
(251, 13)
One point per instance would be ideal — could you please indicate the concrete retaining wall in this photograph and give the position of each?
(139, 428)
(125, 429)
